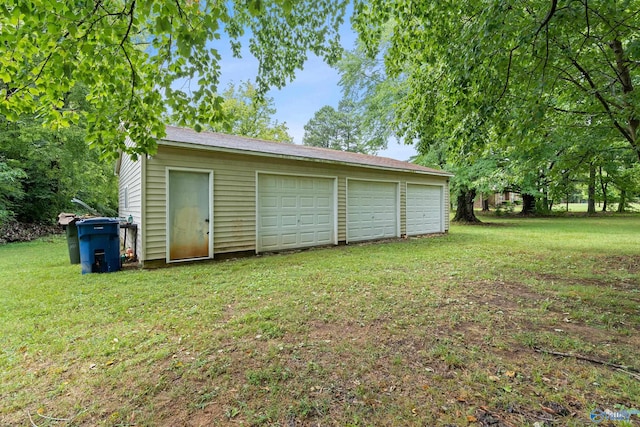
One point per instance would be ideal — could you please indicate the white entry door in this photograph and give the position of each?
(295, 212)
(424, 209)
(189, 215)
(372, 210)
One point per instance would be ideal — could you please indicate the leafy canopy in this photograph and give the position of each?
(144, 60)
(476, 68)
(526, 88)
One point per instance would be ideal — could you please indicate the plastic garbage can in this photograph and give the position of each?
(72, 242)
(99, 245)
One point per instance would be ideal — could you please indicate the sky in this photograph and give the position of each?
(314, 87)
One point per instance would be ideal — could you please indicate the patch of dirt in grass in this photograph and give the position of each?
(437, 384)
(626, 284)
(516, 309)
(627, 263)
(501, 294)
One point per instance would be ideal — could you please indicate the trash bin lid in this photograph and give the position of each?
(98, 221)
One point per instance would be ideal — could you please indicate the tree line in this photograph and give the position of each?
(42, 169)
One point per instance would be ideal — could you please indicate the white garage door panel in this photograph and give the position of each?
(424, 209)
(372, 210)
(294, 212)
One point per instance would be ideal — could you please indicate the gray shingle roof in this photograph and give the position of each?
(277, 149)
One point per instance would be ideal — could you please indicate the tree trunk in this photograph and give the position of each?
(464, 211)
(623, 201)
(603, 187)
(624, 76)
(591, 202)
(485, 205)
(546, 203)
(528, 204)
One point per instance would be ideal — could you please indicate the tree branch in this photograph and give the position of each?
(31, 420)
(506, 82)
(180, 11)
(130, 13)
(586, 17)
(42, 67)
(547, 19)
(604, 103)
(587, 113)
(133, 74)
(587, 359)
(122, 42)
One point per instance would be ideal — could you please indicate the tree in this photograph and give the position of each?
(321, 130)
(144, 60)
(499, 71)
(339, 129)
(627, 181)
(246, 113)
(366, 84)
(10, 190)
(535, 56)
(41, 170)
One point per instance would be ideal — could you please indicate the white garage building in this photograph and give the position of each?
(206, 195)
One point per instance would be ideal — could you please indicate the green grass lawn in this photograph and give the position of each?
(453, 330)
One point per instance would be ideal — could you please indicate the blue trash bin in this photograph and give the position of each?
(99, 240)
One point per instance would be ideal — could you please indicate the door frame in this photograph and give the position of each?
(209, 172)
(301, 175)
(387, 181)
(442, 207)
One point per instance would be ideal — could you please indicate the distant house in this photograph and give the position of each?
(206, 195)
(494, 200)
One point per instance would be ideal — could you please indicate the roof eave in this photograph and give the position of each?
(196, 146)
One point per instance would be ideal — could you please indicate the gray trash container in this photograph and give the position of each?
(72, 242)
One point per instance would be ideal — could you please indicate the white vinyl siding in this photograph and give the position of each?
(130, 199)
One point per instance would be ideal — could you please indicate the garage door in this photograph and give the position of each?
(372, 210)
(424, 209)
(295, 212)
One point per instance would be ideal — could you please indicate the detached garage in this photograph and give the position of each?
(205, 195)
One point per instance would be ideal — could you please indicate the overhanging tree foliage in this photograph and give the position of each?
(478, 72)
(143, 59)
